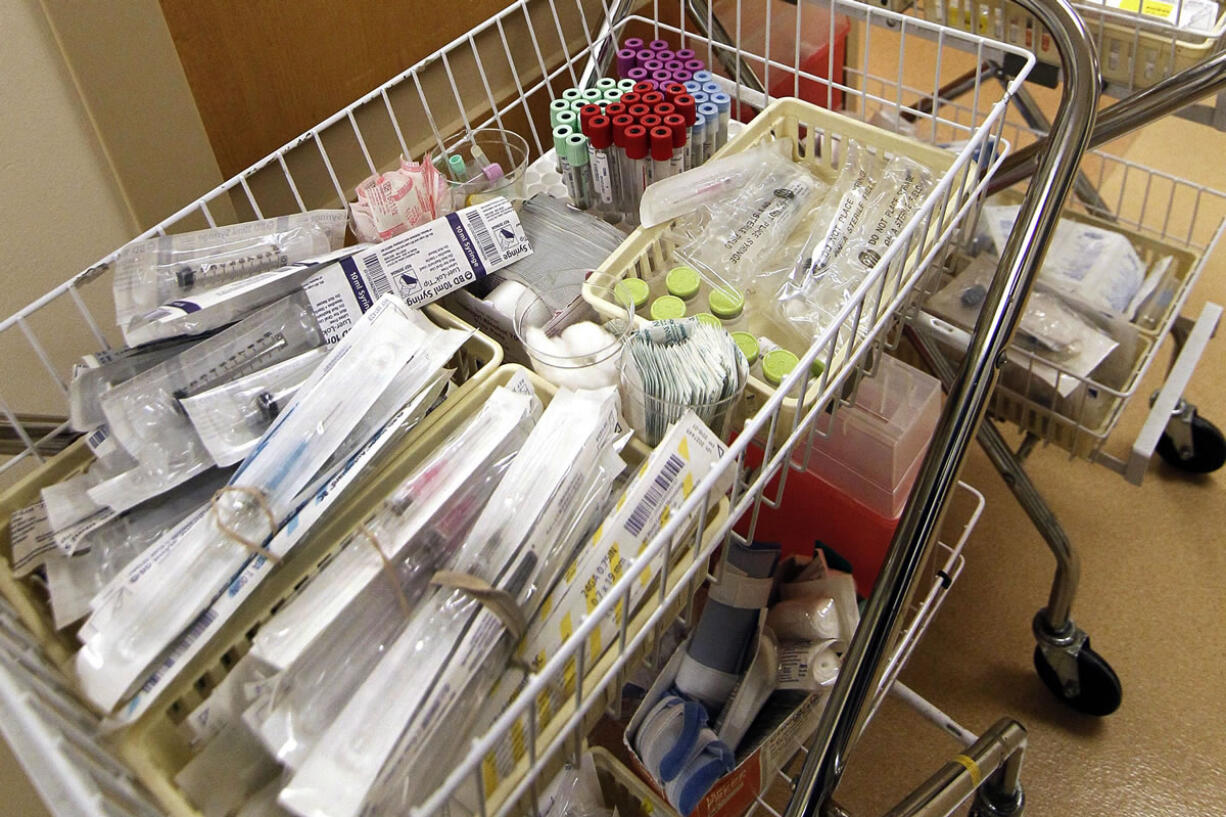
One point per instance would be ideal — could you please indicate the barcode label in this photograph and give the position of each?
(97, 438)
(650, 502)
(194, 632)
(481, 234)
(380, 284)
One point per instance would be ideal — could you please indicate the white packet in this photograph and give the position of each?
(157, 270)
(31, 539)
(90, 382)
(514, 544)
(231, 418)
(130, 633)
(205, 310)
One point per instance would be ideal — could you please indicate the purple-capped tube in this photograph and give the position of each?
(626, 59)
(682, 76)
(635, 43)
(652, 65)
(674, 65)
(645, 54)
(658, 45)
(637, 74)
(694, 65)
(662, 78)
(665, 55)
(685, 54)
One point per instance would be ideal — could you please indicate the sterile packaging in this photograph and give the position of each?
(399, 732)
(232, 418)
(94, 377)
(314, 504)
(182, 573)
(210, 309)
(151, 272)
(321, 646)
(390, 203)
(146, 418)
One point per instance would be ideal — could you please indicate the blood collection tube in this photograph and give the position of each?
(571, 94)
(674, 65)
(559, 148)
(664, 109)
(634, 43)
(724, 103)
(710, 114)
(626, 59)
(555, 108)
(711, 87)
(695, 65)
(703, 76)
(614, 109)
(605, 83)
(661, 153)
(686, 107)
(658, 45)
(698, 140)
(612, 95)
(685, 54)
(673, 90)
(625, 85)
(682, 76)
(700, 97)
(592, 95)
(661, 77)
(652, 98)
(599, 149)
(644, 87)
(651, 120)
(645, 54)
(676, 123)
(652, 66)
(636, 74)
(585, 115)
(632, 98)
(620, 163)
(636, 171)
(693, 86)
(639, 111)
(666, 55)
(579, 179)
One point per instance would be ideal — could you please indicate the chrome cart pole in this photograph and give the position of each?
(1020, 261)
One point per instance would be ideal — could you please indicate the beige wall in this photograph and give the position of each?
(99, 139)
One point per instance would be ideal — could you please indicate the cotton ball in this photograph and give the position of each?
(539, 343)
(586, 338)
(506, 296)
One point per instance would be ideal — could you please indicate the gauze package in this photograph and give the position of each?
(314, 504)
(734, 236)
(232, 418)
(210, 309)
(840, 256)
(1096, 268)
(403, 723)
(322, 645)
(151, 272)
(73, 581)
(145, 415)
(191, 563)
(390, 203)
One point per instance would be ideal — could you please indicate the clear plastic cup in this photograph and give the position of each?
(650, 415)
(482, 164)
(567, 341)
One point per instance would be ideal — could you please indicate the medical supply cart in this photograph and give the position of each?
(504, 73)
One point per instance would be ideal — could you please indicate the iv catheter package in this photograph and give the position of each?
(203, 311)
(389, 357)
(686, 456)
(318, 649)
(152, 272)
(866, 211)
(400, 732)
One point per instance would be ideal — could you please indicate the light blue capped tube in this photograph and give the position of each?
(692, 87)
(710, 113)
(703, 76)
(698, 140)
(711, 87)
(723, 102)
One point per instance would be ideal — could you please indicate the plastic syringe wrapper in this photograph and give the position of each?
(395, 737)
(871, 205)
(151, 272)
(145, 415)
(92, 379)
(184, 570)
(320, 647)
(204, 310)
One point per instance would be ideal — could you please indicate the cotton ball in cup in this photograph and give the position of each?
(505, 297)
(539, 343)
(586, 338)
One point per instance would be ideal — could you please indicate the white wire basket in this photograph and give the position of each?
(504, 73)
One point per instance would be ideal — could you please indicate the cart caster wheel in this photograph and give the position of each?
(1095, 690)
(1197, 448)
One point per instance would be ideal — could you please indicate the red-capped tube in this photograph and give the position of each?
(644, 87)
(630, 99)
(650, 121)
(585, 116)
(664, 109)
(673, 90)
(614, 109)
(686, 107)
(600, 132)
(653, 98)
(639, 111)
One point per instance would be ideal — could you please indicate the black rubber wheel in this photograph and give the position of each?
(1209, 449)
(1101, 692)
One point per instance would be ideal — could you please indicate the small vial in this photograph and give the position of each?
(606, 83)
(748, 345)
(729, 306)
(579, 179)
(555, 108)
(636, 177)
(667, 307)
(709, 319)
(698, 141)
(712, 87)
(723, 104)
(710, 114)
(632, 291)
(693, 86)
(559, 148)
(571, 94)
(600, 143)
(676, 122)
(625, 85)
(683, 282)
(456, 167)
(703, 76)
(777, 364)
(661, 152)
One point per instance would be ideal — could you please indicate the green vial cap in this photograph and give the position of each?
(569, 118)
(555, 108)
(576, 149)
(777, 364)
(748, 345)
(726, 303)
(559, 139)
(576, 105)
(817, 368)
(572, 94)
(709, 320)
(667, 307)
(632, 290)
(626, 85)
(613, 95)
(593, 94)
(605, 83)
(683, 282)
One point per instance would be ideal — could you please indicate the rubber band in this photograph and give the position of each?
(231, 533)
(388, 570)
(499, 602)
(971, 766)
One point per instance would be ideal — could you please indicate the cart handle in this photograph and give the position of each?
(1020, 261)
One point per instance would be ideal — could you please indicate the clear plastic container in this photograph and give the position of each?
(873, 450)
(569, 343)
(483, 164)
